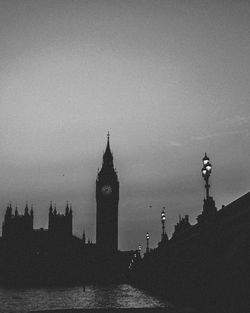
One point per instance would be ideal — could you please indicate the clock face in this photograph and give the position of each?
(106, 190)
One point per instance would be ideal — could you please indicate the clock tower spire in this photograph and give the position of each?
(107, 198)
(107, 156)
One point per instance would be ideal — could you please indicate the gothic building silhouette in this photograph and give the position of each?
(60, 224)
(55, 255)
(17, 225)
(107, 198)
(192, 266)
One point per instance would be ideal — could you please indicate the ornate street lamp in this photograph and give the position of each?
(206, 172)
(163, 219)
(147, 239)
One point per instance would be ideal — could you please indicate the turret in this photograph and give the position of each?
(50, 208)
(67, 209)
(54, 211)
(31, 210)
(26, 210)
(83, 237)
(8, 212)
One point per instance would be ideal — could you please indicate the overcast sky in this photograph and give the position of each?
(168, 79)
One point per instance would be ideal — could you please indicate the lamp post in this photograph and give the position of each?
(147, 239)
(163, 219)
(206, 172)
(139, 251)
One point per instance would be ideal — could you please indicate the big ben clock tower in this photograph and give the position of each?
(107, 198)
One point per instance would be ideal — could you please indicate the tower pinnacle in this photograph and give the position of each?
(107, 156)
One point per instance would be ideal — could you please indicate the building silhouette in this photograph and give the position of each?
(54, 255)
(60, 225)
(201, 264)
(206, 264)
(17, 226)
(107, 199)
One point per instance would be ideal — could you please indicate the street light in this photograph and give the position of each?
(147, 239)
(205, 159)
(206, 172)
(139, 251)
(163, 219)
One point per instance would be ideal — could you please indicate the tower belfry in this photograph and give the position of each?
(107, 198)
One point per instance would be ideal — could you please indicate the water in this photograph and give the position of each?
(115, 296)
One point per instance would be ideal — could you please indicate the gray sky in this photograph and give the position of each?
(168, 79)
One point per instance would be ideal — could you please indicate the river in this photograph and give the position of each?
(114, 296)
